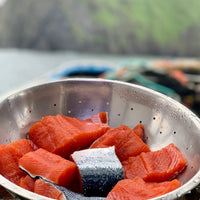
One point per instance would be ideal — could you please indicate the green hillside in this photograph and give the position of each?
(128, 26)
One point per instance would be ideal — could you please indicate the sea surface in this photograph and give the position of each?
(21, 68)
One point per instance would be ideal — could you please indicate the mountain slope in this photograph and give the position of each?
(132, 26)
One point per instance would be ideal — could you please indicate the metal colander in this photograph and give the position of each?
(165, 120)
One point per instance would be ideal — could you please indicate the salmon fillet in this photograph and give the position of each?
(46, 189)
(139, 130)
(126, 142)
(9, 157)
(138, 189)
(27, 183)
(159, 165)
(49, 166)
(63, 135)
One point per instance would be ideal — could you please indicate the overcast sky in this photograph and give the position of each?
(2, 2)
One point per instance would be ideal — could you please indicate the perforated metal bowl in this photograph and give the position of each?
(164, 119)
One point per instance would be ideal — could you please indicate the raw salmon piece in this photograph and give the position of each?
(46, 189)
(2, 146)
(63, 135)
(27, 183)
(139, 130)
(49, 166)
(76, 186)
(9, 163)
(10, 154)
(101, 118)
(126, 142)
(165, 164)
(24, 146)
(134, 167)
(138, 189)
(161, 165)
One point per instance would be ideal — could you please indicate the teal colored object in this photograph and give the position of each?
(131, 70)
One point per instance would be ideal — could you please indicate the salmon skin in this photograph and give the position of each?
(41, 163)
(69, 195)
(126, 142)
(63, 135)
(100, 170)
(161, 165)
(138, 189)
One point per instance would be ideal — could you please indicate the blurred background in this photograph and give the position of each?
(132, 27)
(152, 43)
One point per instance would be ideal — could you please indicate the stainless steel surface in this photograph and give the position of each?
(164, 119)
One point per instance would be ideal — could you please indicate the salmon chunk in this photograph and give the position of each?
(9, 157)
(46, 189)
(126, 142)
(63, 135)
(138, 189)
(41, 163)
(159, 165)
